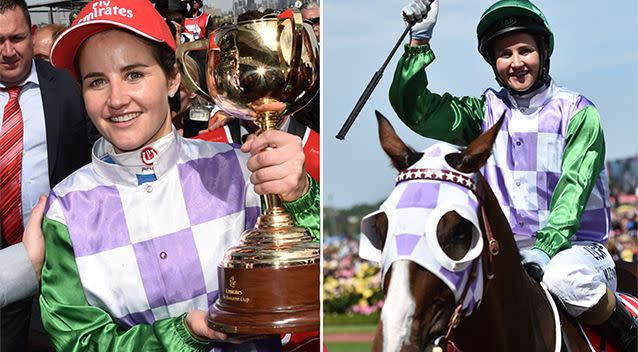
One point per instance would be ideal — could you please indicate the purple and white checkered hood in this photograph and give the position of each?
(414, 209)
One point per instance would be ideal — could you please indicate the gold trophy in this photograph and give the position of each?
(264, 70)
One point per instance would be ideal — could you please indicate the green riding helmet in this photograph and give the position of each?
(507, 16)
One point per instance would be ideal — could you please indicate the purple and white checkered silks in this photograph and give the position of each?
(414, 209)
(526, 162)
(148, 252)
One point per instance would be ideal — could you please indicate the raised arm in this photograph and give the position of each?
(444, 117)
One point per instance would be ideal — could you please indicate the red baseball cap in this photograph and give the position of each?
(137, 16)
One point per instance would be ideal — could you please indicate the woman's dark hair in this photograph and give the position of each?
(166, 58)
(160, 52)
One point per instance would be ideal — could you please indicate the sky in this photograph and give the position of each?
(596, 54)
(225, 5)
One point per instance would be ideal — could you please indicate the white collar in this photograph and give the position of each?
(123, 168)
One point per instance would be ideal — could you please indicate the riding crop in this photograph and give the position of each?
(370, 87)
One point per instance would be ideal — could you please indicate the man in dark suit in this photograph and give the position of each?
(70, 134)
(43, 123)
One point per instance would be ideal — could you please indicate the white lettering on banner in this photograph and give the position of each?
(103, 8)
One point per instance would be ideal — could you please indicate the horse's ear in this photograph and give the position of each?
(401, 155)
(476, 154)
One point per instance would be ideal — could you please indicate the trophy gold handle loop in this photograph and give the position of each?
(190, 82)
(297, 42)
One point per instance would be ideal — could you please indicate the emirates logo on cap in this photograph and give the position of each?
(148, 155)
(136, 16)
(103, 8)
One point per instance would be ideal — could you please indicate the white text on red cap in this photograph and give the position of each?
(103, 8)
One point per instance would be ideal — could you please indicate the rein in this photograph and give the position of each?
(471, 184)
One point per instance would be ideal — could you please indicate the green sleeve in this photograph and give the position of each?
(455, 120)
(74, 325)
(583, 161)
(305, 210)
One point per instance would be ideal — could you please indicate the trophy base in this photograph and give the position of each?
(267, 300)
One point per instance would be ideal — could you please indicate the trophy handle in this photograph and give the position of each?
(190, 82)
(297, 41)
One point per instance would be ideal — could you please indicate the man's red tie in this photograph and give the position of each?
(10, 169)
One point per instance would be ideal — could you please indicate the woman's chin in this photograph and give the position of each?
(520, 85)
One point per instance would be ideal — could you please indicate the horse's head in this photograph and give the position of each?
(427, 236)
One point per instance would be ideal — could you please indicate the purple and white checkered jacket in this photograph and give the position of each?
(526, 162)
(150, 251)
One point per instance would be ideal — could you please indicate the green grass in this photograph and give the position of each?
(349, 346)
(348, 328)
(330, 320)
(345, 323)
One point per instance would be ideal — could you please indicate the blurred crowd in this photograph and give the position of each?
(351, 285)
(623, 238)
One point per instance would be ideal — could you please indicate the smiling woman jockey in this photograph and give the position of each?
(547, 167)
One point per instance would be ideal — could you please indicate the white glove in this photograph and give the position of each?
(423, 14)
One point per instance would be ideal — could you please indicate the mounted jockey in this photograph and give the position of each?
(547, 169)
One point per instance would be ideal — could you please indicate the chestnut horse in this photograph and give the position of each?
(515, 312)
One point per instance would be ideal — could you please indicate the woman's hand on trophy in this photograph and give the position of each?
(197, 324)
(277, 164)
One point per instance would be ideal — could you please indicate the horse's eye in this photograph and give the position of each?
(460, 234)
(454, 234)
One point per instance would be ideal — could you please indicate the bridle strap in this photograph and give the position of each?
(455, 319)
(493, 247)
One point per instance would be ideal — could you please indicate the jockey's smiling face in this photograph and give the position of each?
(125, 89)
(517, 60)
